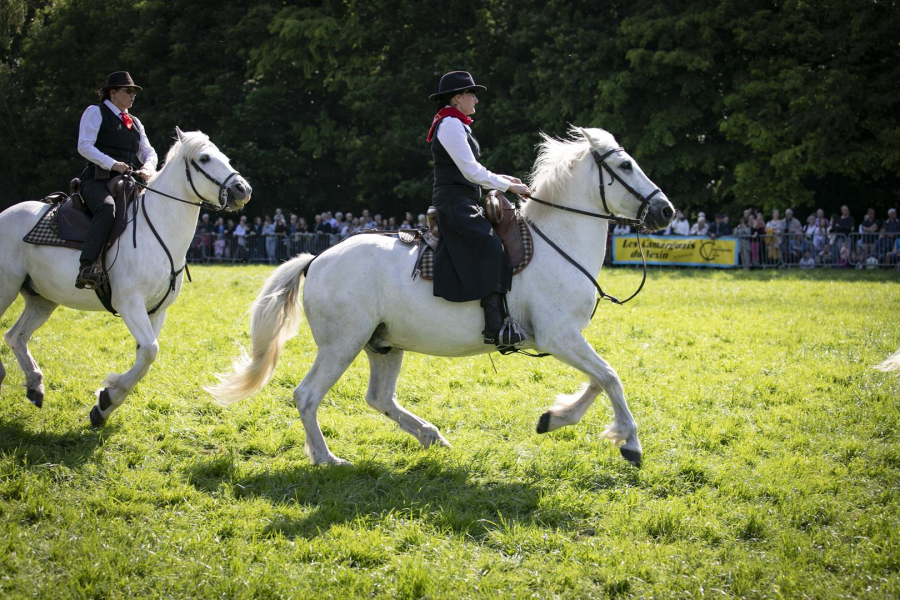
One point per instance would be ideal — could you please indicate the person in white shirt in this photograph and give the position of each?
(680, 226)
(111, 139)
(701, 227)
(470, 263)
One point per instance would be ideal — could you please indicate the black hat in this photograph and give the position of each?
(456, 81)
(120, 79)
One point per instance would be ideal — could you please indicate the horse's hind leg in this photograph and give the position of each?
(381, 395)
(37, 311)
(568, 410)
(331, 362)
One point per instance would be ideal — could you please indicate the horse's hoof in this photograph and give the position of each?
(543, 425)
(96, 417)
(36, 397)
(103, 399)
(631, 456)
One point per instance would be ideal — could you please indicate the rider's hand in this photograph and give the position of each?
(120, 167)
(520, 189)
(146, 173)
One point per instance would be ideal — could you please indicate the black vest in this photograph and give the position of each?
(117, 141)
(445, 170)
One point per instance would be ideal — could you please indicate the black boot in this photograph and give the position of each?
(90, 275)
(498, 328)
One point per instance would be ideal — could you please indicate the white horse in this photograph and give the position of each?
(891, 363)
(140, 277)
(377, 308)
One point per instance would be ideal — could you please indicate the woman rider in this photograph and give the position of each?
(111, 139)
(470, 263)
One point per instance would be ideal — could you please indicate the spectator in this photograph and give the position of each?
(391, 224)
(773, 237)
(889, 230)
(820, 233)
(757, 231)
(868, 228)
(824, 257)
(622, 229)
(743, 233)
(792, 234)
(893, 257)
(218, 231)
(366, 221)
(719, 227)
(323, 225)
(421, 222)
(807, 262)
(680, 226)
(701, 227)
(281, 237)
(268, 233)
(240, 236)
(842, 227)
(377, 222)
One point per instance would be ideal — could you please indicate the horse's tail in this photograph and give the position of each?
(891, 363)
(274, 318)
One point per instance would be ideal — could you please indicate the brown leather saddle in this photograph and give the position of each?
(73, 218)
(501, 213)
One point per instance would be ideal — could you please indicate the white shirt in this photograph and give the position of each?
(87, 139)
(682, 227)
(452, 135)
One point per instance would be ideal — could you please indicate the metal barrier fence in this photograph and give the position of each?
(854, 251)
(857, 250)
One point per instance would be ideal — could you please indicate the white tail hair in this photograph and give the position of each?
(274, 319)
(892, 363)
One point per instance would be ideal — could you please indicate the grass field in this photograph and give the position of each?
(771, 469)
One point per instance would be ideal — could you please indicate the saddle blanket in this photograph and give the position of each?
(46, 231)
(425, 265)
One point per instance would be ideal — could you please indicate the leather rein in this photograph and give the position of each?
(223, 199)
(609, 216)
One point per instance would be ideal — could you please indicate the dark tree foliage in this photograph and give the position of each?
(324, 104)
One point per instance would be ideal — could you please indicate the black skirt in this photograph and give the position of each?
(470, 262)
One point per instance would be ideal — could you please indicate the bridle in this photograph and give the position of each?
(223, 201)
(204, 203)
(637, 222)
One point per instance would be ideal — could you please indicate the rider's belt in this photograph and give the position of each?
(100, 174)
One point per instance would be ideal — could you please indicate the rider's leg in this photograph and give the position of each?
(103, 210)
(495, 315)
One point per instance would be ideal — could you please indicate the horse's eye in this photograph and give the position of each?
(204, 158)
(625, 166)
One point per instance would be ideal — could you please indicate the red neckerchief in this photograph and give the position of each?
(447, 111)
(126, 118)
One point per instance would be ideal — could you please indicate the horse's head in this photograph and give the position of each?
(622, 188)
(210, 179)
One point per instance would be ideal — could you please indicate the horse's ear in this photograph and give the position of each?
(179, 134)
(585, 135)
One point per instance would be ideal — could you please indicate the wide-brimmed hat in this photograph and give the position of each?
(456, 81)
(120, 79)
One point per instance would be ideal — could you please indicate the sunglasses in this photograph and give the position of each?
(129, 91)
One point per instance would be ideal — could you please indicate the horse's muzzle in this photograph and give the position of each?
(239, 192)
(660, 213)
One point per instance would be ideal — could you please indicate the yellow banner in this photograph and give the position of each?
(690, 251)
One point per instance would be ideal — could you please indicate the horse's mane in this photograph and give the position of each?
(557, 156)
(190, 142)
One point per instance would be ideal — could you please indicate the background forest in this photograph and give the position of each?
(323, 105)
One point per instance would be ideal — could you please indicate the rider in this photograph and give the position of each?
(470, 263)
(111, 139)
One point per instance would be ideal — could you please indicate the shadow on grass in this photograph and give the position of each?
(429, 490)
(70, 449)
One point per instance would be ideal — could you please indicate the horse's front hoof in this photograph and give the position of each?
(97, 417)
(36, 397)
(632, 457)
(543, 425)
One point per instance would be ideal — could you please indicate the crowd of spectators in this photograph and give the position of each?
(763, 240)
(834, 241)
(273, 237)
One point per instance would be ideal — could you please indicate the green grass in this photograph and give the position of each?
(772, 465)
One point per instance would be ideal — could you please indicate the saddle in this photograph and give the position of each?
(502, 215)
(74, 217)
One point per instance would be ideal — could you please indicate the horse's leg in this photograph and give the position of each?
(331, 362)
(117, 386)
(8, 293)
(37, 311)
(568, 410)
(381, 395)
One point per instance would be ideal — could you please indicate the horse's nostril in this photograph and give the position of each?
(240, 188)
(668, 212)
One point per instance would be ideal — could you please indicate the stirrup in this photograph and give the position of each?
(511, 334)
(90, 277)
